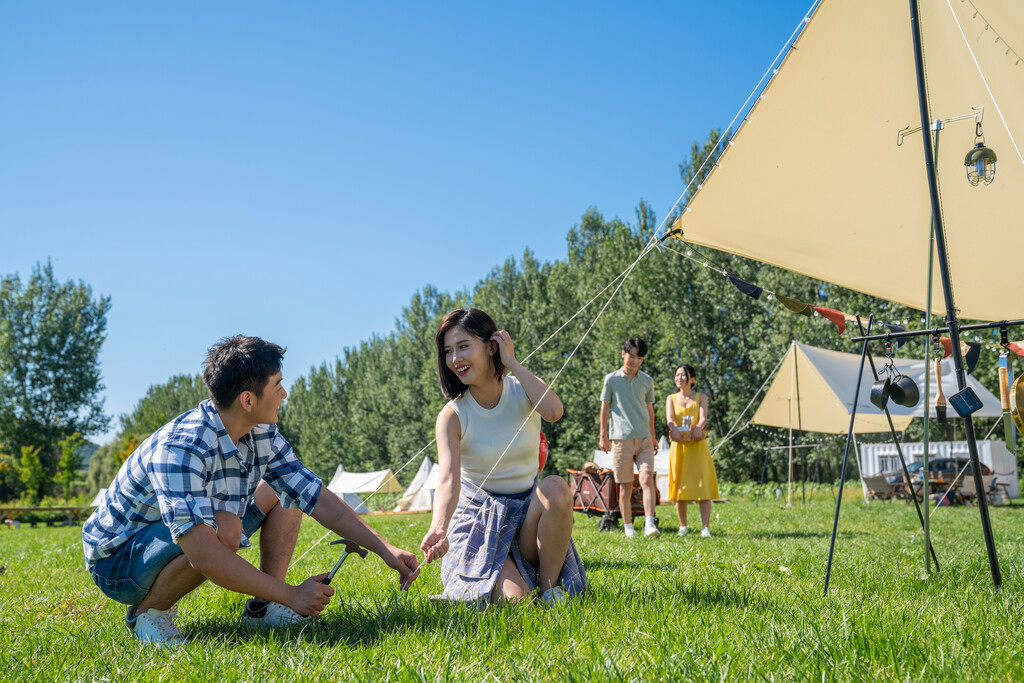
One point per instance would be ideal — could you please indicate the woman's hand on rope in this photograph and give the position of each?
(434, 545)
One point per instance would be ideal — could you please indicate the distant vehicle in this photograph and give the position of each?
(938, 468)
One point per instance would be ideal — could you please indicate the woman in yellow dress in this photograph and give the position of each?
(691, 474)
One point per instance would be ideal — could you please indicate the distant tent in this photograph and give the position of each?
(98, 499)
(349, 485)
(419, 496)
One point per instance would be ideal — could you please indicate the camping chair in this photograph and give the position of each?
(968, 491)
(879, 488)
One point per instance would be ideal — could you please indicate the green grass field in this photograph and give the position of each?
(745, 604)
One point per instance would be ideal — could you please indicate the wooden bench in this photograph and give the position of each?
(73, 513)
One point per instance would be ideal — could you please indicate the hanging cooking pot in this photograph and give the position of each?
(880, 393)
(904, 391)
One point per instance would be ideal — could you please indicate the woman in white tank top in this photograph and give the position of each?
(491, 516)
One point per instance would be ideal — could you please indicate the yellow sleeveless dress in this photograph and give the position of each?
(691, 474)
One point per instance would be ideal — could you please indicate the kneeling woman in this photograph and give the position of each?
(509, 534)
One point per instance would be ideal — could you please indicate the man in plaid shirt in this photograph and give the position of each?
(197, 488)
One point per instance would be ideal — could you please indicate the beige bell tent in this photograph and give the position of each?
(813, 391)
(419, 495)
(819, 179)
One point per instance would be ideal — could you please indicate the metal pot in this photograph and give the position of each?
(880, 393)
(904, 391)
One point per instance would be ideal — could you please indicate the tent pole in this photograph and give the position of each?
(928, 374)
(903, 462)
(846, 453)
(947, 291)
(792, 388)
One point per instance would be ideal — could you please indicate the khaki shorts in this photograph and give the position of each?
(625, 452)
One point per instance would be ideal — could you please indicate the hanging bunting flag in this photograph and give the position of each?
(971, 352)
(838, 318)
(1017, 347)
(947, 346)
(794, 305)
(747, 288)
(899, 341)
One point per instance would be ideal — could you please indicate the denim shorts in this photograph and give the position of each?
(128, 574)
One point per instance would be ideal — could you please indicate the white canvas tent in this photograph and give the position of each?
(99, 498)
(815, 182)
(419, 495)
(350, 485)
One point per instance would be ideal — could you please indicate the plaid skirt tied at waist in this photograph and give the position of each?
(485, 530)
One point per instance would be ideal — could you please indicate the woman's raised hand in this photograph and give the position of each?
(504, 341)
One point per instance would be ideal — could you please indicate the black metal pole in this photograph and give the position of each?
(846, 453)
(899, 452)
(947, 291)
(938, 330)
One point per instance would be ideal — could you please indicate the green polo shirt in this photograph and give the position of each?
(628, 399)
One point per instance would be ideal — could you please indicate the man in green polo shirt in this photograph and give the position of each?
(627, 403)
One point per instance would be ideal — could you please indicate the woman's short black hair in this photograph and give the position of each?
(690, 372)
(238, 364)
(475, 322)
(635, 345)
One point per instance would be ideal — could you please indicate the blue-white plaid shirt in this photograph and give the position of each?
(189, 469)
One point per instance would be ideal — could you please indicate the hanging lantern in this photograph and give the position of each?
(980, 162)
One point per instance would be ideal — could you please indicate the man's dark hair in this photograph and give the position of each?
(635, 345)
(238, 364)
(475, 322)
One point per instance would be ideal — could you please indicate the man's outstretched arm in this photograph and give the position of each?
(332, 512)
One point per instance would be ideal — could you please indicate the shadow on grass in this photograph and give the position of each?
(764, 535)
(356, 625)
(628, 563)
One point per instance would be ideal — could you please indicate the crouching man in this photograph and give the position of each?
(199, 487)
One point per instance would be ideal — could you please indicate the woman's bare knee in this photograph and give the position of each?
(555, 493)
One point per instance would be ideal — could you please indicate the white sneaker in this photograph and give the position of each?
(683, 530)
(705, 532)
(630, 531)
(270, 615)
(157, 627)
(554, 596)
(651, 530)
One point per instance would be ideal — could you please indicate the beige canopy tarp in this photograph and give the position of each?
(815, 182)
(813, 391)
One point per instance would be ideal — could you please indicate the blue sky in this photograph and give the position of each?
(296, 171)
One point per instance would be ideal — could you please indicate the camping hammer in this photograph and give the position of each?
(350, 547)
